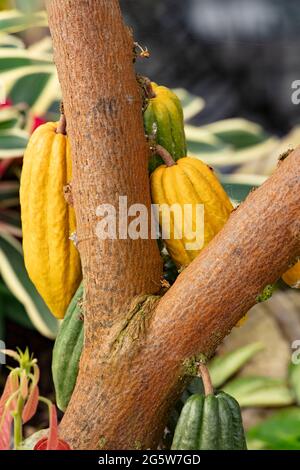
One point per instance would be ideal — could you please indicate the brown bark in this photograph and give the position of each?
(102, 104)
(132, 370)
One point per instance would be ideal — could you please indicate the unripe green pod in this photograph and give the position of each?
(67, 351)
(211, 422)
(163, 118)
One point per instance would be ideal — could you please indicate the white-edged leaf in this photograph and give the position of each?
(248, 180)
(13, 21)
(46, 92)
(10, 117)
(260, 392)
(200, 135)
(28, 6)
(15, 64)
(229, 142)
(9, 78)
(9, 194)
(13, 143)
(228, 156)
(204, 145)
(37, 90)
(42, 46)
(15, 276)
(8, 40)
(9, 229)
(236, 127)
(11, 59)
(191, 104)
(238, 186)
(10, 220)
(222, 367)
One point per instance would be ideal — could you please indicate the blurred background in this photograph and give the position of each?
(241, 56)
(234, 64)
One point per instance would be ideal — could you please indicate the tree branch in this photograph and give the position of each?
(125, 388)
(102, 104)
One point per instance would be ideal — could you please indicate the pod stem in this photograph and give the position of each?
(207, 383)
(165, 155)
(149, 88)
(62, 125)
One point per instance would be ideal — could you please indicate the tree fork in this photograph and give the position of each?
(124, 390)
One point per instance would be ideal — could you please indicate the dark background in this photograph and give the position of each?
(240, 55)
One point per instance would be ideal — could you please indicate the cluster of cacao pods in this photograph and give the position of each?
(178, 179)
(51, 257)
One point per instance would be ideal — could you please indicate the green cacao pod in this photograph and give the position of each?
(67, 351)
(163, 119)
(211, 422)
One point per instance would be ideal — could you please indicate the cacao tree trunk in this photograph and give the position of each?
(133, 366)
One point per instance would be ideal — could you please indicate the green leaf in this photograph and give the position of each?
(28, 88)
(13, 21)
(239, 186)
(9, 118)
(10, 223)
(17, 64)
(260, 392)
(192, 105)
(8, 40)
(230, 142)
(237, 132)
(279, 432)
(202, 143)
(221, 368)
(11, 217)
(13, 309)
(13, 143)
(294, 380)
(12, 59)
(28, 6)
(16, 278)
(9, 194)
(38, 90)
(42, 46)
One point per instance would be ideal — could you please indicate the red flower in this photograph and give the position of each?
(6, 104)
(42, 444)
(37, 122)
(52, 442)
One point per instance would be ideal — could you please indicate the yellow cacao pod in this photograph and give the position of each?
(192, 182)
(292, 276)
(51, 259)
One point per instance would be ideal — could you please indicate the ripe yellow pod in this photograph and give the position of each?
(292, 276)
(51, 259)
(189, 181)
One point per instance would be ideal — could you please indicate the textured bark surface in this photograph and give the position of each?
(102, 104)
(131, 371)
